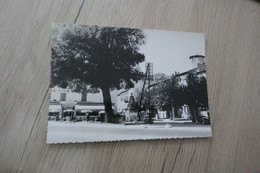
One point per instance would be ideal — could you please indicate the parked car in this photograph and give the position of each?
(93, 116)
(53, 116)
(68, 115)
(147, 119)
(80, 116)
(204, 120)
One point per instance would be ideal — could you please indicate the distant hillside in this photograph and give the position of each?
(160, 77)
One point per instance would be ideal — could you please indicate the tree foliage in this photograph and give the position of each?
(98, 56)
(196, 92)
(171, 93)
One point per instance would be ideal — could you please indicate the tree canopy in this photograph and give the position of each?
(98, 56)
(171, 93)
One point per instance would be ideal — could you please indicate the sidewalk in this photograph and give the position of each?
(176, 120)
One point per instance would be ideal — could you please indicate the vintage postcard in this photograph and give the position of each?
(114, 84)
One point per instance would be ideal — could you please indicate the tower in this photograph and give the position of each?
(149, 68)
(197, 60)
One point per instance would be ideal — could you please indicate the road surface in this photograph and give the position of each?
(64, 132)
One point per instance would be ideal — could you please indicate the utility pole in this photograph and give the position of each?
(149, 67)
(140, 103)
(148, 78)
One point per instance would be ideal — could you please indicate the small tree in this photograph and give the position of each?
(165, 95)
(173, 95)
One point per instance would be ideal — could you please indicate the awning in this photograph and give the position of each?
(54, 108)
(68, 103)
(90, 107)
(68, 110)
(86, 111)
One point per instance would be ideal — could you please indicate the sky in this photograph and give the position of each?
(169, 51)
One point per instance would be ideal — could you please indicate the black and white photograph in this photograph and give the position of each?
(116, 84)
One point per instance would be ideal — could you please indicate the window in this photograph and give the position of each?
(62, 96)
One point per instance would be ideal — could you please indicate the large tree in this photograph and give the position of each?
(195, 94)
(97, 57)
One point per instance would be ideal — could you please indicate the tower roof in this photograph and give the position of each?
(197, 56)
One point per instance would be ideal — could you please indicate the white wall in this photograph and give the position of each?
(196, 61)
(70, 96)
(161, 114)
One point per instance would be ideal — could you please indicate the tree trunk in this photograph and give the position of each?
(176, 112)
(194, 114)
(172, 113)
(108, 104)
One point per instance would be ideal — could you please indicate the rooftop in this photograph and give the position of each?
(196, 56)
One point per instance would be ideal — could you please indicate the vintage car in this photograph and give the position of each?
(81, 115)
(55, 111)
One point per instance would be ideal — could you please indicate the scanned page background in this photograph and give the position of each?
(233, 66)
